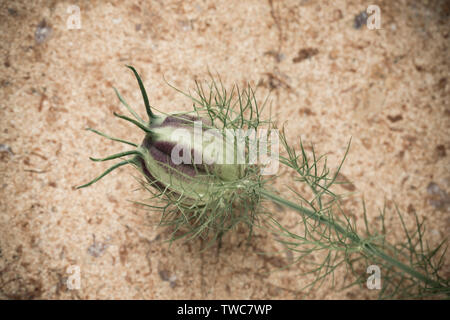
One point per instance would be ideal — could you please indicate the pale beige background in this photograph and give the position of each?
(387, 89)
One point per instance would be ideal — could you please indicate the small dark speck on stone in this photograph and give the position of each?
(438, 198)
(12, 12)
(43, 32)
(278, 56)
(345, 182)
(305, 53)
(440, 151)
(360, 20)
(5, 150)
(442, 83)
(433, 188)
(395, 118)
(165, 276)
(97, 248)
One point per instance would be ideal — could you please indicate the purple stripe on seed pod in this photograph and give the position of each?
(167, 147)
(166, 159)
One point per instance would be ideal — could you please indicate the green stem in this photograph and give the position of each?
(366, 247)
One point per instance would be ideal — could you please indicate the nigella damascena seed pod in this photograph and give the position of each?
(186, 154)
(181, 153)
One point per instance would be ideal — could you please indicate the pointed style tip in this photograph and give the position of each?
(130, 67)
(150, 113)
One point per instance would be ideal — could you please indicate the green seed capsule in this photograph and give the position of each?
(180, 153)
(197, 171)
(174, 155)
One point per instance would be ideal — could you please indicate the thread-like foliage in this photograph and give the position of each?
(410, 268)
(231, 202)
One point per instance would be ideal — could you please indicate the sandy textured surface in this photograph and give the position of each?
(388, 89)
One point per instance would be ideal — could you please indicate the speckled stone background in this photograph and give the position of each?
(329, 80)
